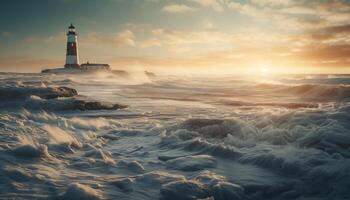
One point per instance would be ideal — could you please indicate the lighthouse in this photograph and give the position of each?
(72, 65)
(72, 58)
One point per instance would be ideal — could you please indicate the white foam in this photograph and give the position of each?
(100, 155)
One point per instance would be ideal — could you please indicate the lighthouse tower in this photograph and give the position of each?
(72, 58)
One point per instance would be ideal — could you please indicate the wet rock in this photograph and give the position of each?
(56, 92)
(17, 92)
(93, 105)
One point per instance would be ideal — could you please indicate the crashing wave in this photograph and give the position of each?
(319, 92)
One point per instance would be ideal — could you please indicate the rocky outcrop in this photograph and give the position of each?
(50, 99)
(94, 105)
(8, 93)
(55, 92)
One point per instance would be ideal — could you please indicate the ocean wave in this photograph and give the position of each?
(79, 191)
(32, 151)
(192, 163)
(289, 105)
(173, 149)
(295, 144)
(205, 185)
(319, 92)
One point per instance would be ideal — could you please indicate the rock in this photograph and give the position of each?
(55, 92)
(93, 105)
(16, 92)
(118, 106)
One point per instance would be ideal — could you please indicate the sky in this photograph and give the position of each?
(180, 36)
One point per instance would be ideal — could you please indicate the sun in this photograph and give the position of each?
(264, 71)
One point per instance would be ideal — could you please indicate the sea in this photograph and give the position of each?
(174, 137)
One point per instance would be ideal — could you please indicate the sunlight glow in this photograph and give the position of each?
(264, 71)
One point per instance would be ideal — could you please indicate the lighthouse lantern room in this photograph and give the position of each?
(72, 58)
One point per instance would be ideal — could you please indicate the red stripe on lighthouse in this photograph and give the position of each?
(71, 48)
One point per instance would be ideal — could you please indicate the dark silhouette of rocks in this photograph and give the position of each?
(95, 105)
(42, 92)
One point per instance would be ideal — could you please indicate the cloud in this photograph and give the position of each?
(125, 38)
(217, 5)
(338, 29)
(208, 25)
(58, 38)
(247, 9)
(299, 10)
(151, 42)
(176, 38)
(292, 15)
(177, 8)
(6, 34)
(27, 64)
(319, 47)
(273, 2)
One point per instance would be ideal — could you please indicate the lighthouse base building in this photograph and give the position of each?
(72, 58)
